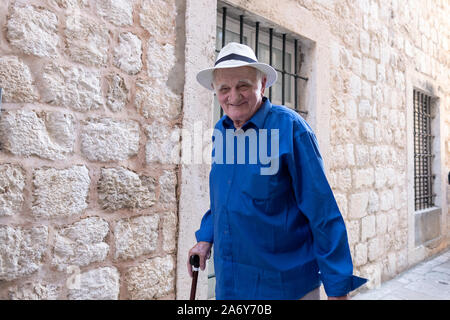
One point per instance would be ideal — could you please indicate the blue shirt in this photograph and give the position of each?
(275, 236)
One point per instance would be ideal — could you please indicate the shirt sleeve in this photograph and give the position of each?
(316, 201)
(206, 231)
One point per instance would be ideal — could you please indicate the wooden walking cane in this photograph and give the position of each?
(194, 260)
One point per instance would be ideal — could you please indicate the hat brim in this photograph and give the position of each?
(205, 77)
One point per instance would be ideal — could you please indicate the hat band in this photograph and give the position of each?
(234, 56)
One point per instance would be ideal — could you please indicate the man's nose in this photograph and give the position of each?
(235, 96)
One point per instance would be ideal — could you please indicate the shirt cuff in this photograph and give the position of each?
(337, 285)
(201, 235)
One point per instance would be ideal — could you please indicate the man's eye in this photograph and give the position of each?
(223, 90)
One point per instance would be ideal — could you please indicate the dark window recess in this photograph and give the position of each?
(423, 156)
(275, 48)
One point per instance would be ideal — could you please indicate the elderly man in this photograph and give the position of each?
(276, 235)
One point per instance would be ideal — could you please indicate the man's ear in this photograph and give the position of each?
(263, 85)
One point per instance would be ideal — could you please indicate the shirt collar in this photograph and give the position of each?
(258, 118)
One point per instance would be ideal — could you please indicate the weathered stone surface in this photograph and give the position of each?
(71, 87)
(109, 140)
(127, 55)
(168, 183)
(12, 183)
(33, 31)
(87, 40)
(121, 188)
(169, 232)
(97, 284)
(152, 279)
(136, 236)
(160, 59)
(158, 18)
(48, 135)
(368, 229)
(16, 81)
(163, 144)
(119, 13)
(34, 291)
(156, 101)
(60, 193)
(70, 4)
(358, 205)
(21, 250)
(117, 95)
(80, 243)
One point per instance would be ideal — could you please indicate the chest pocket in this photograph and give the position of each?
(264, 187)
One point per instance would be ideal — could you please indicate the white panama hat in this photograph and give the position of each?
(236, 55)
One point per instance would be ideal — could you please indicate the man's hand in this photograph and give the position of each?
(339, 298)
(203, 250)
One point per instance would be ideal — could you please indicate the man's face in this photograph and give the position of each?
(239, 92)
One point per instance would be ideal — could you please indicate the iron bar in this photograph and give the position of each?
(283, 66)
(241, 28)
(256, 38)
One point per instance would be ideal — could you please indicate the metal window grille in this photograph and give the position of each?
(423, 156)
(288, 72)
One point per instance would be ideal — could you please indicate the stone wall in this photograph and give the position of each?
(88, 200)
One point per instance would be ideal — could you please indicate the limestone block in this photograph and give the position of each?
(70, 4)
(118, 12)
(16, 81)
(34, 291)
(374, 202)
(87, 40)
(33, 31)
(127, 54)
(373, 251)
(354, 87)
(169, 232)
(98, 284)
(136, 236)
(350, 109)
(368, 229)
(21, 250)
(386, 200)
(157, 101)
(105, 139)
(363, 177)
(158, 18)
(80, 244)
(152, 279)
(71, 87)
(364, 42)
(168, 183)
(121, 188)
(358, 205)
(160, 59)
(369, 69)
(117, 95)
(60, 192)
(367, 131)
(163, 144)
(344, 179)
(381, 223)
(353, 231)
(48, 135)
(361, 155)
(360, 254)
(364, 109)
(12, 183)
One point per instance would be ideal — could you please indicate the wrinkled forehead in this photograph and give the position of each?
(246, 74)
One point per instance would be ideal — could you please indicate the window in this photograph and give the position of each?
(271, 46)
(423, 155)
